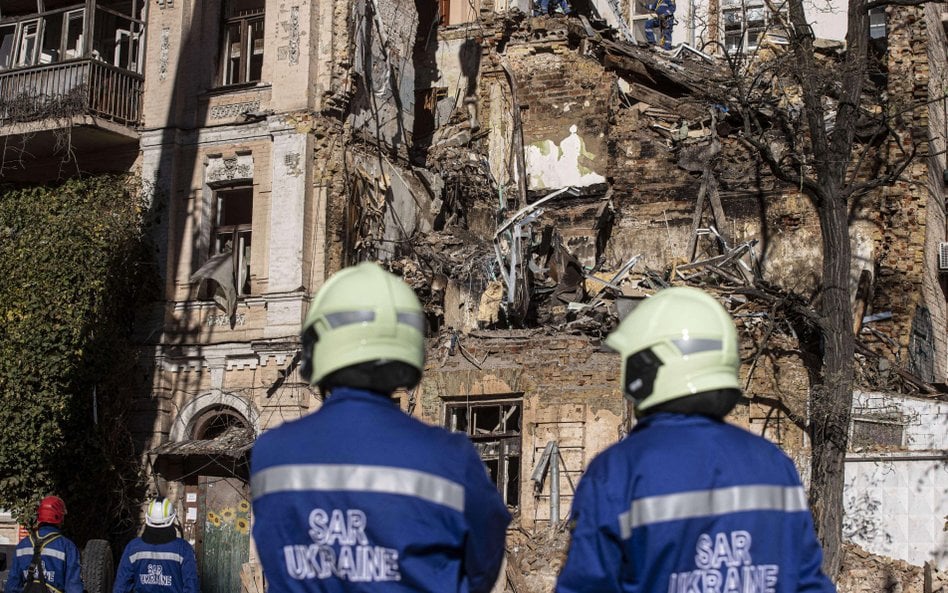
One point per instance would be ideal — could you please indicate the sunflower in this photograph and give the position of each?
(214, 519)
(243, 526)
(244, 506)
(228, 514)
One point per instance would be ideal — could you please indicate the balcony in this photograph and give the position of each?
(74, 66)
(74, 88)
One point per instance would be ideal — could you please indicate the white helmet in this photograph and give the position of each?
(160, 513)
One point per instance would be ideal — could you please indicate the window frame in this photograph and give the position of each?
(245, 22)
(746, 28)
(241, 236)
(21, 39)
(501, 447)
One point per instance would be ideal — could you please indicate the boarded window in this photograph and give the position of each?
(875, 433)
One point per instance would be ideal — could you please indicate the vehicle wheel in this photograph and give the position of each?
(97, 567)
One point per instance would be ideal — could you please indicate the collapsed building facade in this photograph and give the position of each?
(532, 179)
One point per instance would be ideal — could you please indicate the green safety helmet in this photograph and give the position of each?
(677, 343)
(365, 329)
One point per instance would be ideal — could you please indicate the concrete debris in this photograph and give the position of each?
(863, 572)
(534, 560)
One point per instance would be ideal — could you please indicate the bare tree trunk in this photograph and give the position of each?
(831, 403)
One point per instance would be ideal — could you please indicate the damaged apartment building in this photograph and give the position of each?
(532, 178)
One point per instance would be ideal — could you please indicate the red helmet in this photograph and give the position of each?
(51, 510)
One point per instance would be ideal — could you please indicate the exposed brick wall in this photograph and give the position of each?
(570, 395)
(558, 88)
(912, 211)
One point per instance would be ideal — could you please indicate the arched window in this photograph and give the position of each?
(218, 421)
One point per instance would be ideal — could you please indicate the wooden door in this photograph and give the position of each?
(225, 541)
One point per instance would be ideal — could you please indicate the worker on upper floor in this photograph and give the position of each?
(359, 495)
(46, 560)
(687, 502)
(159, 561)
(662, 19)
(543, 7)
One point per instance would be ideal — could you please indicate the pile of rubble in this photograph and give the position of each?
(534, 560)
(864, 572)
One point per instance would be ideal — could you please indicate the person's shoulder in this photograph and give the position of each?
(68, 542)
(600, 467)
(276, 437)
(445, 438)
(744, 439)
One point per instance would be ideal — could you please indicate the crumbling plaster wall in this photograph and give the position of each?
(565, 101)
(569, 390)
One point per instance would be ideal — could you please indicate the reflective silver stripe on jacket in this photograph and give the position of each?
(46, 552)
(147, 555)
(704, 503)
(359, 478)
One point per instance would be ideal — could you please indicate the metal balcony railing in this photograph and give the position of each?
(66, 89)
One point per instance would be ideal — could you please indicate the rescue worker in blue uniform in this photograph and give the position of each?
(662, 18)
(159, 561)
(359, 495)
(59, 556)
(687, 502)
(543, 7)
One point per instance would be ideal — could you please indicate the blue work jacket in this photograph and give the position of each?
(60, 560)
(662, 8)
(157, 568)
(361, 496)
(690, 504)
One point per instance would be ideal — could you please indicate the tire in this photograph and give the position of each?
(97, 567)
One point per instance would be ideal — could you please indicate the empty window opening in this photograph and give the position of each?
(494, 426)
(232, 233)
(218, 421)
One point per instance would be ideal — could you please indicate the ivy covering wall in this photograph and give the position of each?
(74, 268)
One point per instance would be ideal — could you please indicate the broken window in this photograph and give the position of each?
(242, 55)
(745, 24)
(494, 427)
(232, 231)
(27, 46)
